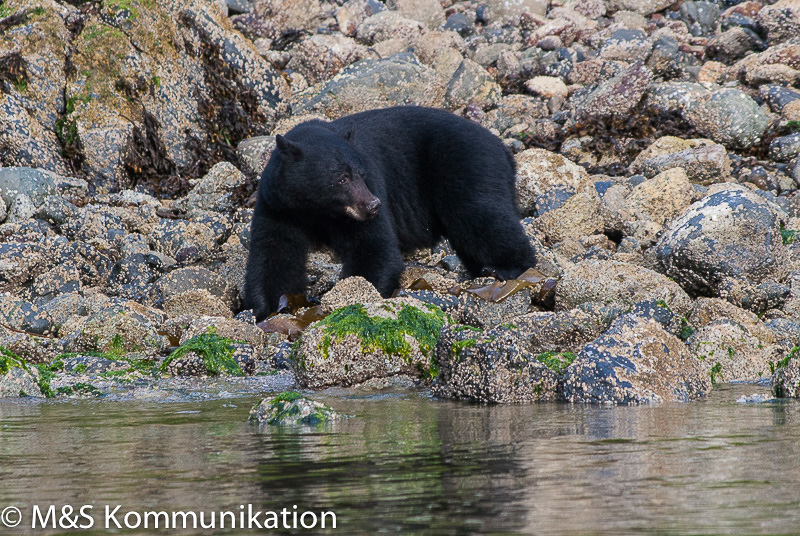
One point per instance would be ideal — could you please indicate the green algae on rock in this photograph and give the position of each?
(215, 352)
(357, 343)
(292, 408)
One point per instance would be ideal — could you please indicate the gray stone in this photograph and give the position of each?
(781, 20)
(291, 409)
(37, 184)
(491, 367)
(635, 362)
(785, 148)
(254, 153)
(627, 45)
(730, 233)
(616, 97)
(213, 192)
(471, 84)
(729, 117)
(19, 382)
(700, 17)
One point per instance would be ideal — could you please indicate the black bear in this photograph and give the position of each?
(374, 185)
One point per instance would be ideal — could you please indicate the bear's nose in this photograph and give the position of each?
(373, 207)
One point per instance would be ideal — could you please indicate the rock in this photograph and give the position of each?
(734, 44)
(491, 367)
(729, 117)
(486, 314)
(20, 263)
(663, 197)
(388, 26)
(540, 172)
(786, 378)
(547, 86)
(196, 302)
(117, 328)
(562, 331)
(192, 278)
(369, 84)
(627, 45)
(618, 283)
(254, 153)
(471, 84)
(580, 215)
(214, 192)
(674, 97)
(354, 12)
(428, 12)
(132, 275)
(512, 9)
(700, 17)
(729, 352)
(227, 328)
(209, 354)
(274, 18)
(784, 329)
(731, 233)
(350, 291)
(322, 56)
(182, 239)
(785, 148)
(617, 97)
(291, 409)
(781, 20)
(703, 161)
(21, 210)
(16, 381)
(36, 184)
(707, 310)
(643, 7)
(635, 362)
(364, 342)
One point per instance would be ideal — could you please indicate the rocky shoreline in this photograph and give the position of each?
(657, 149)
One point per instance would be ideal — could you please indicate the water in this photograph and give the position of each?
(408, 464)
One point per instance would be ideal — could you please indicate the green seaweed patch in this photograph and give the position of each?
(80, 388)
(9, 360)
(459, 329)
(283, 410)
(286, 396)
(715, 371)
(5, 11)
(556, 361)
(386, 334)
(686, 329)
(216, 352)
(459, 346)
(788, 235)
(794, 125)
(783, 363)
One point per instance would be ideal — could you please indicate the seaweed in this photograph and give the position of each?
(216, 352)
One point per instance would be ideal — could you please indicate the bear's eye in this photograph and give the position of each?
(344, 179)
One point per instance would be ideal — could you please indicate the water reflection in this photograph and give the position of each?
(409, 464)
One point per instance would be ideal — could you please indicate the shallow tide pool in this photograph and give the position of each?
(409, 464)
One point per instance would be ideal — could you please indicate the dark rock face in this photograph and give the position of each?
(730, 233)
(635, 362)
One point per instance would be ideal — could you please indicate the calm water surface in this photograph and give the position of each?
(409, 464)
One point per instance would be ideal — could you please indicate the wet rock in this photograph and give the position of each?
(459, 23)
(214, 192)
(663, 197)
(350, 291)
(182, 239)
(673, 97)
(274, 18)
(512, 9)
(541, 172)
(486, 314)
(786, 378)
(730, 233)
(196, 302)
(627, 45)
(703, 161)
(491, 367)
(17, 381)
(132, 275)
(36, 184)
(33, 349)
(21, 210)
(729, 117)
(617, 97)
(734, 44)
(388, 26)
(781, 20)
(757, 298)
(635, 362)
(580, 215)
(120, 328)
(618, 283)
(547, 86)
(363, 342)
(291, 409)
(24, 316)
(643, 7)
(471, 85)
(354, 12)
(224, 327)
(368, 84)
(784, 329)
(56, 210)
(728, 351)
(206, 360)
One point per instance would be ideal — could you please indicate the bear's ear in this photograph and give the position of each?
(350, 132)
(287, 148)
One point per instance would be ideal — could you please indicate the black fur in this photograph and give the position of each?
(432, 173)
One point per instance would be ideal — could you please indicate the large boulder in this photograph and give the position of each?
(635, 362)
(731, 233)
(376, 341)
(728, 116)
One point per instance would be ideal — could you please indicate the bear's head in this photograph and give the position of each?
(323, 172)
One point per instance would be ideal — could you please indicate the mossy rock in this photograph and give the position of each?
(358, 343)
(292, 408)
